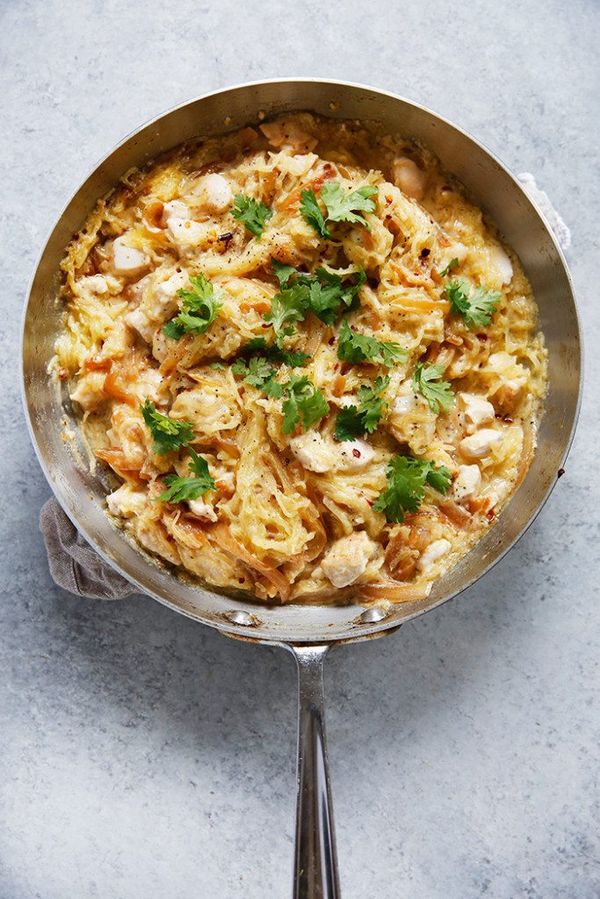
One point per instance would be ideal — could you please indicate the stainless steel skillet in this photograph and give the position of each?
(307, 631)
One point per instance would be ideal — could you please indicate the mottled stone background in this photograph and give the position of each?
(144, 756)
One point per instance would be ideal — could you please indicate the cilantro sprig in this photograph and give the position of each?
(407, 478)
(340, 206)
(356, 348)
(354, 421)
(168, 434)
(304, 404)
(325, 293)
(199, 309)
(428, 381)
(476, 307)
(182, 489)
(253, 214)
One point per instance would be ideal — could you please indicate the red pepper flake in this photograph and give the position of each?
(482, 337)
(425, 252)
(356, 453)
(490, 514)
(507, 419)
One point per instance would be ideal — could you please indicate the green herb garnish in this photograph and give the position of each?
(199, 308)
(476, 307)
(407, 478)
(168, 433)
(356, 348)
(304, 404)
(190, 488)
(252, 213)
(354, 421)
(427, 379)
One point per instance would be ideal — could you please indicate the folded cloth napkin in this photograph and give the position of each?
(75, 566)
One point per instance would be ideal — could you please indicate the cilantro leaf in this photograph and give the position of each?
(439, 478)
(348, 424)
(356, 348)
(252, 213)
(340, 205)
(454, 263)
(283, 273)
(328, 293)
(311, 213)
(199, 308)
(476, 308)
(293, 359)
(407, 478)
(256, 371)
(304, 404)
(168, 433)
(427, 379)
(345, 206)
(190, 488)
(288, 307)
(354, 421)
(324, 293)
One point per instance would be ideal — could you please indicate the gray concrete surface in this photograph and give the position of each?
(143, 756)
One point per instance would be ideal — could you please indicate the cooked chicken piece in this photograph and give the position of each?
(187, 234)
(139, 321)
(214, 192)
(319, 455)
(126, 501)
(467, 482)
(347, 558)
(476, 410)
(501, 262)
(404, 404)
(89, 392)
(127, 260)
(203, 510)
(434, 551)
(411, 180)
(479, 444)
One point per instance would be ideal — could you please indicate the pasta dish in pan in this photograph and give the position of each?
(307, 359)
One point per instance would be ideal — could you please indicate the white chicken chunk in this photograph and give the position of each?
(89, 392)
(476, 409)
(202, 510)
(467, 482)
(404, 404)
(126, 502)
(168, 288)
(501, 262)
(319, 455)
(354, 454)
(433, 553)
(139, 321)
(479, 444)
(214, 192)
(96, 284)
(348, 558)
(175, 209)
(411, 180)
(127, 260)
(187, 233)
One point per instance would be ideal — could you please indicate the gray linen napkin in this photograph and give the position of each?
(75, 566)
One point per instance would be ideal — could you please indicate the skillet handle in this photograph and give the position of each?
(316, 870)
